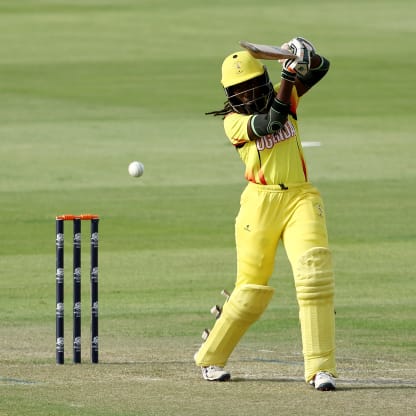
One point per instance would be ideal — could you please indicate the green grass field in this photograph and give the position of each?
(86, 86)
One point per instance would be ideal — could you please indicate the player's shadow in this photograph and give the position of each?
(341, 384)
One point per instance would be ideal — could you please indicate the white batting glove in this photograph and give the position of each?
(302, 64)
(290, 65)
(308, 45)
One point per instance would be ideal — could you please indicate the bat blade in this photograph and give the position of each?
(259, 51)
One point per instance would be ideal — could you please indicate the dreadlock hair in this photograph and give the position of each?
(226, 110)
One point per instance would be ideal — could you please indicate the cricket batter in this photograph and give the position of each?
(278, 204)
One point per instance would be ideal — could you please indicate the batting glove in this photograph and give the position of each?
(303, 62)
(308, 45)
(294, 67)
(288, 70)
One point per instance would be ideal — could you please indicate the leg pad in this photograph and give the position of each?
(245, 305)
(314, 283)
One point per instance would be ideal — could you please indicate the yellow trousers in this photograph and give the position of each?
(295, 216)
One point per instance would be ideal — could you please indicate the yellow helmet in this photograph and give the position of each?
(246, 84)
(239, 67)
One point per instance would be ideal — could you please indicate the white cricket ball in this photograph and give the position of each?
(136, 169)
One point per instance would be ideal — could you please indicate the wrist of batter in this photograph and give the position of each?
(288, 76)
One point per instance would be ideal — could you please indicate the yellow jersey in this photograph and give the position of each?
(273, 159)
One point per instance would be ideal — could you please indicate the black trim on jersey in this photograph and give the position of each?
(259, 155)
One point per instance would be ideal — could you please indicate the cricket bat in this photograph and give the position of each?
(259, 51)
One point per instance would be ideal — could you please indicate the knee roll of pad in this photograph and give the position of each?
(314, 274)
(248, 302)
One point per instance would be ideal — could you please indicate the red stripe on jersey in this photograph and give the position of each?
(293, 105)
(250, 177)
(262, 178)
(305, 170)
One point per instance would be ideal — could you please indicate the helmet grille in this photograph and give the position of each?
(252, 96)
